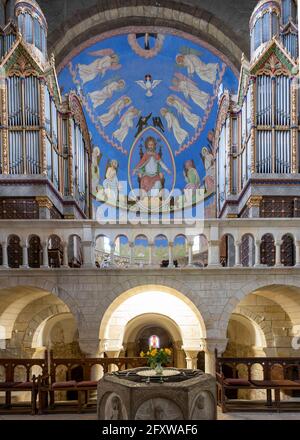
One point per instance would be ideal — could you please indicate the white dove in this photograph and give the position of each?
(148, 84)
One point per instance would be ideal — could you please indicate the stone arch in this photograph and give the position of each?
(40, 317)
(258, 284)
(196, 21)
(11, 291)
(120, 297)
(137, 323)
(257, 319)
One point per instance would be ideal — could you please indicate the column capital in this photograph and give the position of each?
(89, 347)
(213, 242)
(212, 344)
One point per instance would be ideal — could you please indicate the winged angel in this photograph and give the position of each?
(188, 87)
(107, 60)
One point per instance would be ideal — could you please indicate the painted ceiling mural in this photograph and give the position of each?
(151, 100)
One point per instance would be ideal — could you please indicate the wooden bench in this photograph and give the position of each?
(48, 384)
(290, 380)
(12, 385)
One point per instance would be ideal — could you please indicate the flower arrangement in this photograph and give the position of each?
(157, 357)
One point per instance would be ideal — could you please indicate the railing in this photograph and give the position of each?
(217, 235)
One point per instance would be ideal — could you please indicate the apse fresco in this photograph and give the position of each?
(150, 100)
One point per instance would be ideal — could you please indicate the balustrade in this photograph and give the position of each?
(86, 249)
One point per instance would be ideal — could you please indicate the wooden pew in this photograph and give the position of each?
(11, 384)
(48, 384)
(225, 383)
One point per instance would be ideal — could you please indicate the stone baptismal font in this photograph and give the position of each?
(142, 394)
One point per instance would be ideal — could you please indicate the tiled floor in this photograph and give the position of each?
(228, 416)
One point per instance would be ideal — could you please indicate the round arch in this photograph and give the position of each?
(198, 23)
(134, 326)
(285, 291)
(151, 299)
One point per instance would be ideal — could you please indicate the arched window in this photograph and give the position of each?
(14, 252)
(55, 251)
(267, 250)
(287, 250)
(247, 251)
(34, 252)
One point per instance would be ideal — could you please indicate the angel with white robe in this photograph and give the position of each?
(108, 60)
(126, 123)
(184, 109)
(173, 124)
(100, 96)
(185, 85)
(193, 64)
(114, 110)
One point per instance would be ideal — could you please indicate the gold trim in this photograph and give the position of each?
(254, 201)
(44, 202)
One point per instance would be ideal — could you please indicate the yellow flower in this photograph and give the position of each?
(142, 354)
(153, 352)
(148, 353)
(168, 351)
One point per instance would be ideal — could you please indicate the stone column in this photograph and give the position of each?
(257, 253)
(45, 255)
(112, 253)
(191, 359)
(25, 264)
(4, 255)
(238, 254)
(90, 348)
(278, 244)
(171, 264)
(88, 251)
(190, 253)
(297, 253)
(151, 246)
(65, 256)
(131, 254)
(179, 355)
(113, 354)
(214, 253)
(209, 346)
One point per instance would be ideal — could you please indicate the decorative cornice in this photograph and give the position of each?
(44, 202)
(254, 201)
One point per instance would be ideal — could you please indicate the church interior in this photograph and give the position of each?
(149, 199)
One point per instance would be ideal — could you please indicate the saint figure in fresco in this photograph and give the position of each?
(193, 64)
(150, 168)
(192, 179)
(96, 157)
(111, 182)
(209, 165)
